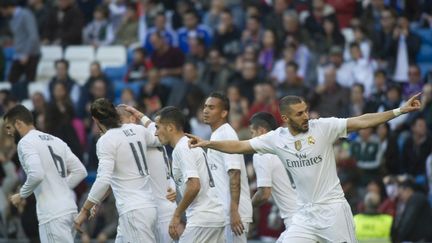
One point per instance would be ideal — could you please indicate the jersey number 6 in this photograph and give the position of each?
(58, 162)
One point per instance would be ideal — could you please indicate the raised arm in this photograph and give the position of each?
(374, 119)
(226, 146)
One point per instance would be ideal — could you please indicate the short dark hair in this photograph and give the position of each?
(289, 100)
(354, 44)
(19, 112)
(360, 85)
(64, 61)
(292, 64)
(264, 120)
(105, 112)
(173, 115)
(223, 98)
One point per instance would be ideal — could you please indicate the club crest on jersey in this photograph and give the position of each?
(311, 140)
(298, 145)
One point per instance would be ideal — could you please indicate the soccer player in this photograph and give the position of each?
(52, 171)
(123, 166)
(306, 148)
(229, 171)
(272, 177)
(160, 174)
(204, 211)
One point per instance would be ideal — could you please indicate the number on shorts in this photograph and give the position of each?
(211, 180)
(58, 162)
(293, 185)
(142, 171)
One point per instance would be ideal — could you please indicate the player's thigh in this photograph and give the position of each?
(58, 230)
(343, 229)
(231, 237)
(202, 235)
(139, 225)
(163, 232)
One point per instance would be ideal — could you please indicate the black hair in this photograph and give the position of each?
(19, 112)
(292, 64)
(289, 100)
(105, 112)
(360, 85)
(354, 44)
(223, 98)
(264, 120)
(173, 115)
(64, 61)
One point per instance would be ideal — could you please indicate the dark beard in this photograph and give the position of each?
(17, 137)
(299, 128)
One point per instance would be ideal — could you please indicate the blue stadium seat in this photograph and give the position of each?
(425, 53)
(425, 67)
(120, 86)
(115, 73)
(425, 35)
(8, 53)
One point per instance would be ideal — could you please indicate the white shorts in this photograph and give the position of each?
(137, 226)
(60, 229)
(202, 235)
(233, 238)
(163, 233)
(323, 223)
(287, 223)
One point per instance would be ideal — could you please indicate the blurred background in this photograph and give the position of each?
(346, 57)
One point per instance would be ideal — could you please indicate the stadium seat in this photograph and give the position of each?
(80, 53)
(111, 56)
(5, 85)
(27, 103)
(425, 35)
(51, 53)
(120, 86)
(45, 70)
(425, 53)
(41, 87)
(80, 71)
(425, 67)
(115, 73)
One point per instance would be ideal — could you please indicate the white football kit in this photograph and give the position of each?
(52, 172)
(124, 165)
(220, 163)
(205, 216)
(324, 214)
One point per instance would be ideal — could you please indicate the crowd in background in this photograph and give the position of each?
(345, 57)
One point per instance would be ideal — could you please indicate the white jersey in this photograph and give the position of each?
(220, 163)
(206, 209)
(270, 172)
(123, 165)
(309, 157)
(52, 171)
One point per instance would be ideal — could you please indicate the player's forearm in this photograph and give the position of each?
(369, 120)
(192, 189)
(76, 175)
(231, 146)
(258, 199)
(98, 192)
(87, 206)
(235, 187)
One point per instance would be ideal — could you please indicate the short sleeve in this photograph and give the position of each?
(262, 169)
(263, 144)
(333, 128)
(189, 160)
(233, 161)
(150, 138)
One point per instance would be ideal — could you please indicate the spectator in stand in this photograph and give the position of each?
(269, 49)
(371, 16)
(39, 105)
(127, 32)
(98, 31)
(357, 99)
(192, 28)
(416, 149)
(389, 150)
(62, 76)
(274, 19)
(362, 41)
(238, 107)
(182, 7)
(394, 99)
(426, 109)
(97, 89)
(320, 11)
(378, 92)
(344, 73)
(297, 53)
(415, 82)
(403, 50)
(293, 30)
(212, 17)
(64, 25)
(328, 37)
(160, 25)
(265, 100)
(140, 65)
(154, 95)
(362, 69)
(248, 79)
(293, 84)
(169, 60)
(197, 53)
(117, 9)
(371, 225)
(345, 11)
(382, 39)
(216, 71)
(413, 223)
(97, 74)
(227, 36)
(253, 32)
(40, 11)
(25, 41)
(330, 98)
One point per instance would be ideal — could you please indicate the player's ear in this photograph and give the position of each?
(284, 118)
(224, 114)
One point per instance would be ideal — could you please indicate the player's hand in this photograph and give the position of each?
(16, 200)
(85, 238)
(413, 104)
(171, 195)
(79, 220)
(136, 113)
(195, 141)
(93, 211)
(236, 223)
(174, 224)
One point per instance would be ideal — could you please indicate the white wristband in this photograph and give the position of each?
(397, 112)
(145, 119)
